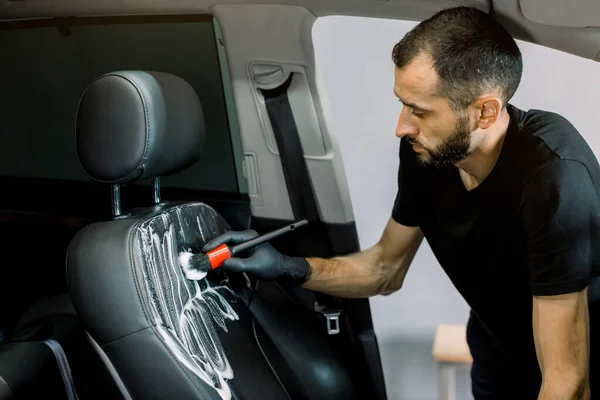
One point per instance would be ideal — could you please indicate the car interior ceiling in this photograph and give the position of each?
(45, 198)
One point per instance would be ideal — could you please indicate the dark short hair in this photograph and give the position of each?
(471, 52)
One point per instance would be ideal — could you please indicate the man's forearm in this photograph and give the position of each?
(562, 387)
(562, 341)
(359, 275)
(343, 277)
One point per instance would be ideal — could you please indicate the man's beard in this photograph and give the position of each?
(451, 150)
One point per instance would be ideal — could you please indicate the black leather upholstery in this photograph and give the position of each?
(165, 336)
(133, 125)
(49, 307)
(300, 343)
(28, 368)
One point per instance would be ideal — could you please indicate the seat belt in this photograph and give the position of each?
(297, 179)
(295, 171)
(63, 366)
(304, 205)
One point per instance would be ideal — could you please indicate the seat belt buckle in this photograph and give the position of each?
(332, 318)
(333, 321)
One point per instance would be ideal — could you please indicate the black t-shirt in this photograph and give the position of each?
(532, 227)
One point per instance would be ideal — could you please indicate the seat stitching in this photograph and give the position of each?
(146, 120)
(126, 335)
(177, 362)
(133, 271)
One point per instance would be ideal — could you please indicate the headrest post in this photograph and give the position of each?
(156, 190)
(116, 200)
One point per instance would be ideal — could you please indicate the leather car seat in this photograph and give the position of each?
(28, 368)
(161, 335)
(48, 356)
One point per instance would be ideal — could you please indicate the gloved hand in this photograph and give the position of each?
(262, 261)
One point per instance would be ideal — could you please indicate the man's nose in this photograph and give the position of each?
(405, 126)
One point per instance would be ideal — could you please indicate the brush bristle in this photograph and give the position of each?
(195, 266)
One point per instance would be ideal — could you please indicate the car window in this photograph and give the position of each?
(46, 69)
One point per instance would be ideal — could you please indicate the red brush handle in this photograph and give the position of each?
(219, 255)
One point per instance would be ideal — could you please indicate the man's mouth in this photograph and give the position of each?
(417, 148)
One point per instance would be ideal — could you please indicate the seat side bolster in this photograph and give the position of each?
(101, 280)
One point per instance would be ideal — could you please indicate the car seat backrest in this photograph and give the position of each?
(163, 336)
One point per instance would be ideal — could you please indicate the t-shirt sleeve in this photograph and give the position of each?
(559, 212)
(406, 205)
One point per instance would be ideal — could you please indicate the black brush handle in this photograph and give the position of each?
(266, 237)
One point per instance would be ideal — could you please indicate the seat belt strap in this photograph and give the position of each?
(291, 153)
(63, 366)
(299, 185)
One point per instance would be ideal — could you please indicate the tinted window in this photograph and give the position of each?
(44, 71)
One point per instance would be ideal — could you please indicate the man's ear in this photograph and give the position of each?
(489, 111)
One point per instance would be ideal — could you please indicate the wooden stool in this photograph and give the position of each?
(451, 351)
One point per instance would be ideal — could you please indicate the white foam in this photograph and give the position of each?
(190, 273)
(188, 312)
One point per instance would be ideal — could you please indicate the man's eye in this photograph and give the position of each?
(417, 114)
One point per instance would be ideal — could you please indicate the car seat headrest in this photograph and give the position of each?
(133, 125)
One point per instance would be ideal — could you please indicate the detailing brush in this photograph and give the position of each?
(197, 265)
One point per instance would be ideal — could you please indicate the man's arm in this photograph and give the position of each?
(378, 270)
(561, 334)
(559, 212)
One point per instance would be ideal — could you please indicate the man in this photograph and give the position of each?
(508, 202)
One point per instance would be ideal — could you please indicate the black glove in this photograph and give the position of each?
(262, 261)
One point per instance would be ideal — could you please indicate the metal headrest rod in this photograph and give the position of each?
(116, 200)
(156, 190)
(116, 196)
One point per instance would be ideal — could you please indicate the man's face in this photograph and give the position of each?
(439, 135)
